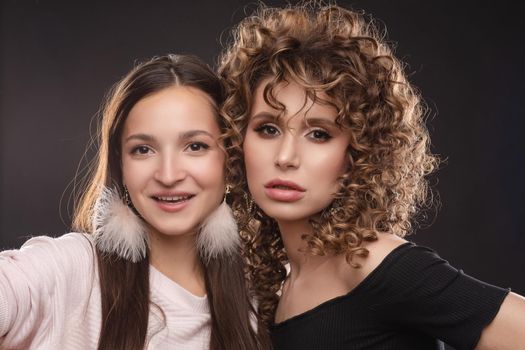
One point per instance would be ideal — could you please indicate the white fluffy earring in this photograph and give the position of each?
(218, 233)
(117, 229)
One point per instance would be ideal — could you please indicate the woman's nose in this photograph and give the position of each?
(287, 156)
(170, 171)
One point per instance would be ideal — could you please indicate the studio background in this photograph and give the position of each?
(59, 58)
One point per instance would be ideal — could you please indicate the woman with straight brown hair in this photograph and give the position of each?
(158, 265)
(335, 153)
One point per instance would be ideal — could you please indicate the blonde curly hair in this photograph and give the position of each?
(340, 55)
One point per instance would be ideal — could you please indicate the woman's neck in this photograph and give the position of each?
(300, 260)
(177, 258)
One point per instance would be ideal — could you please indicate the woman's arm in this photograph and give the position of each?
(507, 330)
(4, 316)
(40, 285)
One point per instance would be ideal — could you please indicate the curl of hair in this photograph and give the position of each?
(340, 58)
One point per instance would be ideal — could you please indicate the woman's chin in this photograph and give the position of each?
(288, 214)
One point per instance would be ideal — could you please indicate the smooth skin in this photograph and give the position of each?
(303, 145)
(170, 150)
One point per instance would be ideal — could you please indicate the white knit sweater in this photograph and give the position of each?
(50, 299)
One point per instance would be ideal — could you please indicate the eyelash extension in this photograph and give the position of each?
(261, 127)
(326, 135)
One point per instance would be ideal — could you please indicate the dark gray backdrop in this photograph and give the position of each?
(58, 58)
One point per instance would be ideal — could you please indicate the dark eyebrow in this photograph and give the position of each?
(320, 122)
(191, 133)
(183, 136)
(140, 137)
(265, 115)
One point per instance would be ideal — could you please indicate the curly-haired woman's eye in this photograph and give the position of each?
(141, 150)
(319, 135)
(267, 130)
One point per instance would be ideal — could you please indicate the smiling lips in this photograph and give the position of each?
(172, 202)
(284, 191)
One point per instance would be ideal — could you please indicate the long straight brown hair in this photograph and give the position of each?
(124, 285)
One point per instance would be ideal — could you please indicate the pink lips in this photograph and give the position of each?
(284, 191)
(172, 202)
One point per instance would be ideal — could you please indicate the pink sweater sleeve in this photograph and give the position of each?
(40, 284)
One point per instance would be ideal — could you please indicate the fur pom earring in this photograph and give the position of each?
(218, 234)
(117, 229)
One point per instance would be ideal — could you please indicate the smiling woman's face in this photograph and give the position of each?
(293, 160)
(172, 164)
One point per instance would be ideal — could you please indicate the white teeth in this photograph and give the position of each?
(173, 199)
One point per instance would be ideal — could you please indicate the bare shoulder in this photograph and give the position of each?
(377, 252)
(506, 329)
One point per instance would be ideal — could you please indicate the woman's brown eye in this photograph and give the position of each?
(142, 150)
(198, 146)
(267, 130)
(320, 135)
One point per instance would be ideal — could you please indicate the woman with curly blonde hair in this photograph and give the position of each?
(334, 152)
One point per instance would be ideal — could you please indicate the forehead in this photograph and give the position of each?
(292, 99)
(173, 109)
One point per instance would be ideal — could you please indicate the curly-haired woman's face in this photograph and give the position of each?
(294, 159)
